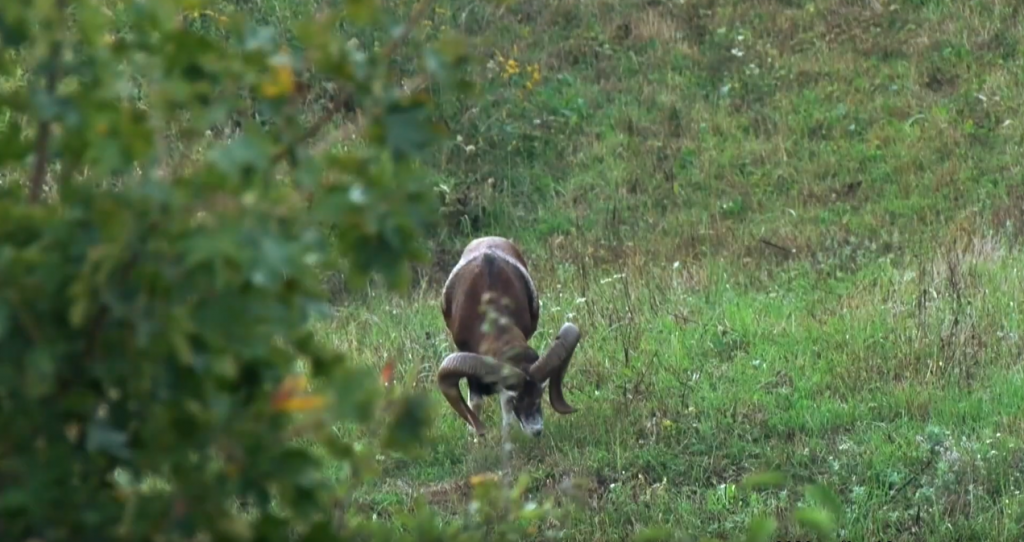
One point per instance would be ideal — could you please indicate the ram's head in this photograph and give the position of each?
(522, 391)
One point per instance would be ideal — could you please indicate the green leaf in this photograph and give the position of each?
(15, 499)
(827, 498)
(40, 377)
(447, 61)
(101, 437)
(14, 145)
(766, 479)
(761, 529)
(295, 462)
(817, 520)
(5, 320)
(244, 157)
(339, 63)
(15, 30)
(321, 531)
(260, 38)
(358, 394)
(409, 424)
(408, 129)
(655, 534)
(270, 527)
(361, 12)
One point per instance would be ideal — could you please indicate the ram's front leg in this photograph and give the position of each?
(476, 402)
(507, 413)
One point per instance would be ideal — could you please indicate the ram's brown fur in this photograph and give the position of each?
(491, 308)
(486, 280)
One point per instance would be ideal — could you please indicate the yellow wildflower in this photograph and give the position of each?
(511, 67)
(287, 397)
(281, 81)
(302, 403)
(534, 71)
(216, 16)
(478, 479)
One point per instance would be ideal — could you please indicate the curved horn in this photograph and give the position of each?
(554, 364)
(461, 365)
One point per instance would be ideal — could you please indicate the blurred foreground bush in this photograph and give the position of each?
(158, 281)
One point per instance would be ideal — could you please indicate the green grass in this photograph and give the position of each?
(790, 232)
(898, 388)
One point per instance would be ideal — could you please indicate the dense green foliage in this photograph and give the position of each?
(153, 329)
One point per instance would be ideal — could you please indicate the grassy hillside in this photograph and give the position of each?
(837, 130)
(790, 231)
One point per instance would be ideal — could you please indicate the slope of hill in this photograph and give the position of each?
(790, 232)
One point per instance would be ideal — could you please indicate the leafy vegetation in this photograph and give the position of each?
(790, 232)
(161, 279)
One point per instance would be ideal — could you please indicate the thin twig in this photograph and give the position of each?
(42, 149)
(312, 131)
(776, 246)
(931, 460)
(39, 168)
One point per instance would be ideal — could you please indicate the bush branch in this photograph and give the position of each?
(337, 105)
(42, 148)
(418, 11)
(312, 131)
